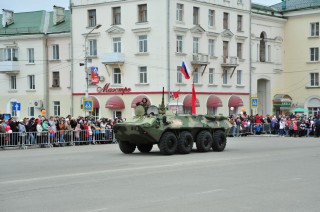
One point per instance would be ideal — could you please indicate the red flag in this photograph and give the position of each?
(176, 94)
(194, 100)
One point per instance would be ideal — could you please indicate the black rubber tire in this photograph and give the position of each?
(219, 141)
(168, 143)
(204, 141)
(126, 147)
(185, 142)
(144, 147)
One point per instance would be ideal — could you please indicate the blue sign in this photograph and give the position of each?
(88, 105)
(254, 102)
(16, 106)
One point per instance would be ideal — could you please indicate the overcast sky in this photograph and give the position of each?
(35, 5)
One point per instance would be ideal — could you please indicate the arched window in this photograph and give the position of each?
(263, 47)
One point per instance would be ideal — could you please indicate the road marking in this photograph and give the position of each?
(181, 164)
(101, 209)
(210, 191)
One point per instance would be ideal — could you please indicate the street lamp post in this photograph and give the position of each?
(86, 58)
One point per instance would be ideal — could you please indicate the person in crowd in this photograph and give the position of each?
(22, 132)
(62, 128)
(295, 128)
(302, 129)
(77, 134)
(282, 125)
(14, 135)
(2, 134)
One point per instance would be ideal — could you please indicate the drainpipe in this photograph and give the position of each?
(168, 49)
(71, 52)
(47, 108)
(250, 60)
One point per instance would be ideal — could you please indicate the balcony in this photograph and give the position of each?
(113, 58)
(9, 67)
(200, 59)
(229, 62)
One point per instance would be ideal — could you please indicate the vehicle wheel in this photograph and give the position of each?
(168, 143)
(219, 141)
(185, 142)
(127, 147)
(204, 141)
(144, 147)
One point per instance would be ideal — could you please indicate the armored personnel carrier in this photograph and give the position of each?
(173, 133)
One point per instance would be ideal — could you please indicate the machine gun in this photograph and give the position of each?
(162, 108)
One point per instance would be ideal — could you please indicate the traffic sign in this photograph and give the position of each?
(87, 105)
(254, 102)
(16, 106)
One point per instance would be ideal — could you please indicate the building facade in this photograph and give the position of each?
(138, 48)
(34, 46)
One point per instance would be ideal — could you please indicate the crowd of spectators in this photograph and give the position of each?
(56, 130)
(293, 125)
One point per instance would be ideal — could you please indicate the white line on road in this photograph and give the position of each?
(211, 191)
(101, 209)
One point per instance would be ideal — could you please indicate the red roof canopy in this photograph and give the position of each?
(115, 102)
(214, 101)
(187, 101)
(235, 101)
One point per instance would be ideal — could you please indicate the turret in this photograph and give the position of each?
(162, 108)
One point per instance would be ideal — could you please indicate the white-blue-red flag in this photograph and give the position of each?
(185, 70)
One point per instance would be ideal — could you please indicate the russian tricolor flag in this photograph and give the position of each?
(185, 70)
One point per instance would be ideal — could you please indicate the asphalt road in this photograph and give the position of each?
(252, 174)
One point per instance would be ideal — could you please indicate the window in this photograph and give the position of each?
(143, 75)
(225, 77)
(142, 16)
(314, 29)
(55, 52)
(314, 79)
(211, 47)
(30, 111)
(195, 15)
(93, 47)
(258, 52)
(225, 20)
(92, 18)
(116, 14)
(239, 23)
(262, 52)
(179, 15)
(116, 114)
(94, 113)
(116, 76)
(239, 77)
(179, 44)
(13, 82)
(56, 108)
(195, 45)
(117, 45)
(55, 79)
(196, 76)
(269, 53)
(31, 82)
(225, 49)
(9, 54)
(179, 74)
(314, 54)
(211, 76)
(239, 50)
(30, 55)
(143, 43)
(211, 18)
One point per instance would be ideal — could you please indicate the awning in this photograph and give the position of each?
(139, 99)
(115, 102)
(235, 101)
(282, 99)
(95, 102)
(187, 101)
(214, 101)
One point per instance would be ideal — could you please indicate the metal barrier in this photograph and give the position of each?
(60, 138)
(252, 129)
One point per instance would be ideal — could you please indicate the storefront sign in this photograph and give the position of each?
(106, 89)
